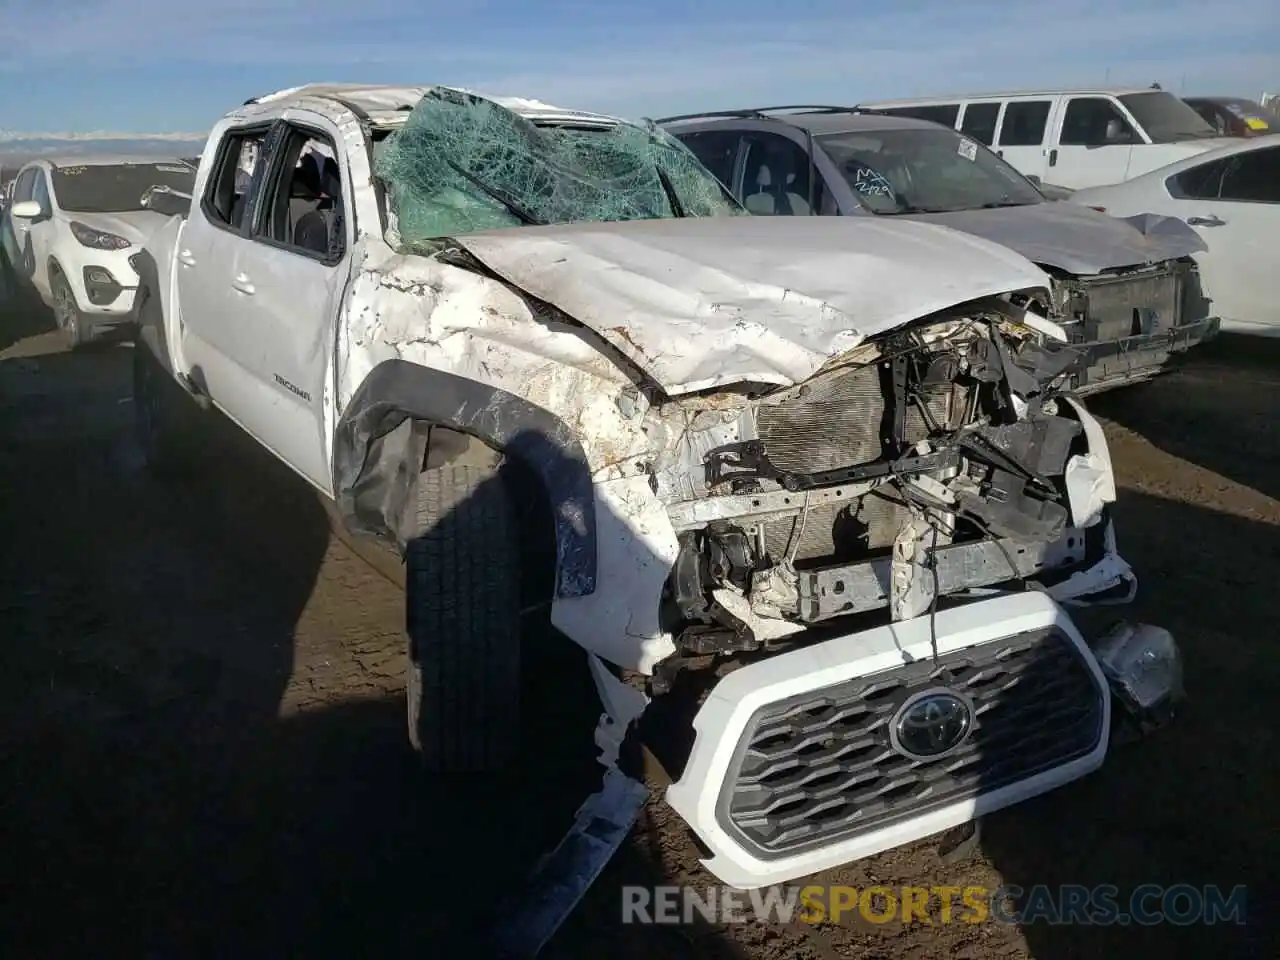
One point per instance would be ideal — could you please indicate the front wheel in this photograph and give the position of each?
(75, 328)
(462, 600)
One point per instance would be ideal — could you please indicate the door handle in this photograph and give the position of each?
(1213, 220)
(1053, 157)
(241, 283)
(186, 258)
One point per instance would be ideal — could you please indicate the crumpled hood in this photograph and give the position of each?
(134, 226)
(703, 302)
(1076, 239)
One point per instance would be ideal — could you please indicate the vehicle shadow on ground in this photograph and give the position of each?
(1191, 804)
(1210, 409)
(20, 319)
(156, 798)
(148, 637)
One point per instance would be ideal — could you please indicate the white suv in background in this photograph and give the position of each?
(71, 227)
(1072, 138)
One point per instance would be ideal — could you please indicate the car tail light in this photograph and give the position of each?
(1099, 209)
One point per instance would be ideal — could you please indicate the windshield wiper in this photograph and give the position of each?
(911, 208)
(519, 212)
(996, 204)
(676, 207)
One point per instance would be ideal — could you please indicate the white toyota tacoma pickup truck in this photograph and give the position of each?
(815, 470)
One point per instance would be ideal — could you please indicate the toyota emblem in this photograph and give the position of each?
(931, 724)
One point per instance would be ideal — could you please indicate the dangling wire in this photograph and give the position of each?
(933, 601)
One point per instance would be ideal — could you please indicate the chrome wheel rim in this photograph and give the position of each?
(64, 310)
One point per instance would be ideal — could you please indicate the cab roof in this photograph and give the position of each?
(387, 105)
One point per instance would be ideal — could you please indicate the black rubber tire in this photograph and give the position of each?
(164, 418)
(462, 616)
(79, 330)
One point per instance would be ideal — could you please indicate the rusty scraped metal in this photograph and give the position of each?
(563, 877)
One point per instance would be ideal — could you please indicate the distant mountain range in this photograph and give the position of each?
(18, 148)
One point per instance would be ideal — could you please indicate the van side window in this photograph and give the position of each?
(943, 113)
(1024, 123)
(717, 149)
(980, 122)
(1094, 122)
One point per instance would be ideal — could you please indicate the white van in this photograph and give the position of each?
(1072, 138)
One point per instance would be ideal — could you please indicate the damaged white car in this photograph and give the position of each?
(812, 470)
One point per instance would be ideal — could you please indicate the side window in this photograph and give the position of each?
(303, 200)
(40, 192)
(1024, 123)
(1094, 122)
(980, 122)
(1214, 117)
(1199, 183)
(24, 188)
(227, 191)
(1253, 177)
(717, 149)
(943, 113)
(777, 175)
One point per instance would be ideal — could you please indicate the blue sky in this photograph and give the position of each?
(160, 66)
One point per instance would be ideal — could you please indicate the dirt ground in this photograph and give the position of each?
(201, 726)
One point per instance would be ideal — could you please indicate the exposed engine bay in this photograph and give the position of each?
(925, 463)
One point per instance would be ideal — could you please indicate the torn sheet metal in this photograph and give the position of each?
(1112, 571)
(623, 705)
(1077, 239)
(700, 303)
(911, 584)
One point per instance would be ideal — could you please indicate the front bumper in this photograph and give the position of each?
(797, 768)
(1114, 363)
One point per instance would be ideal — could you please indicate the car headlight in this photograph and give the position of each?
(98, 239)
(1144, 668)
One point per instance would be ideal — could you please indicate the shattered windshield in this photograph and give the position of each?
(925, 170)
(116, 188)
(462, 164)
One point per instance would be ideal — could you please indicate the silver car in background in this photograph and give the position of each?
(1127, 291)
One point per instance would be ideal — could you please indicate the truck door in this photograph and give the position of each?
(288, 285)
(1093, 141)
(213, 238)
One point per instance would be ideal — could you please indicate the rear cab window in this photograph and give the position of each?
(226, 193)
